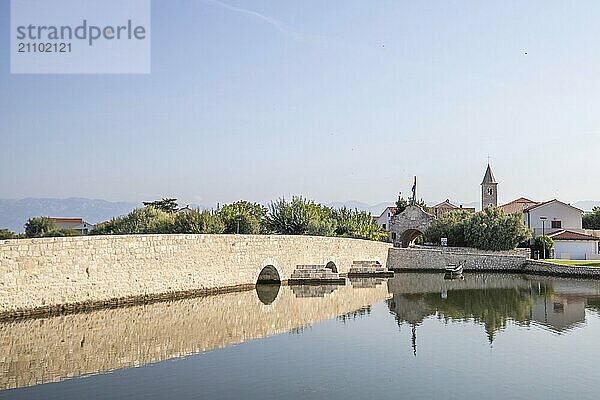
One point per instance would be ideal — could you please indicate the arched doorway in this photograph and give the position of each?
(409, 236)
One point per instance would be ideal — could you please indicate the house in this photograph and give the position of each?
(444, 207)
(185, 210)
(383, 221)
(571, 245)
(552, 216)
(77, 224)
(518, 206)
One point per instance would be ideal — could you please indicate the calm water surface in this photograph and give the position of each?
(414, 336)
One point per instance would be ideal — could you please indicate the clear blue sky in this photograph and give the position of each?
(334, 100)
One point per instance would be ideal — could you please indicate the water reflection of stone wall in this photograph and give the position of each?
(49, 349)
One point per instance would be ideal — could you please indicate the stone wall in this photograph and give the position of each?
(436, 260)
(546, 268)
(524, 252)
(34, 351)
(39, 275)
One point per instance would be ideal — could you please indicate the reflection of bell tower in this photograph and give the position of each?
(489, 189)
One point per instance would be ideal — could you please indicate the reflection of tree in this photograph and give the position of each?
(593, 303)
(354, 314)
(490, 307)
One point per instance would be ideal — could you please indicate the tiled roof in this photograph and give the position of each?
(571, 235)
(67, 220)
(551, 201)
(518, 205)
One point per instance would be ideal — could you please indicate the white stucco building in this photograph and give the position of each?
(559, 216)
(383, 221)
(569, 245)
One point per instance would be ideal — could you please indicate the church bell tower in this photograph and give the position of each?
(489, 189)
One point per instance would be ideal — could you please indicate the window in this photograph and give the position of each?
(383, 226)
(556, 224)
(490, 191)
(393, 235)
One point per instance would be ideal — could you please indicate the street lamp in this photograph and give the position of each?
(238, 224)
(543, 219)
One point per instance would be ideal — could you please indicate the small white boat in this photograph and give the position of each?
(454, 269)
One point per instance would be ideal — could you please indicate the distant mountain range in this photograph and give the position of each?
(14, 213)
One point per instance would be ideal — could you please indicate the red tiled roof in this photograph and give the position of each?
(67, 220)
(550, 201)
(571, 235)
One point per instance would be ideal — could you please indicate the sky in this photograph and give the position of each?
(337, 100)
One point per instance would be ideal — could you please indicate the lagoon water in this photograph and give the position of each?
(414, 336)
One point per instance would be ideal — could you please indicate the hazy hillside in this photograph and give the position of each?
(14, 213)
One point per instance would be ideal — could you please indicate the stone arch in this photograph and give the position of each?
(269, 274)
(408, 237)
(409, 225)
(331, 265)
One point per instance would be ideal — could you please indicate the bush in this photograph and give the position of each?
(197, 221)
(300, 217)
(140, 220)
(38, 226)
(61, 232)
(541, 242)
(357, 224)
(251, 217)
(6, 234)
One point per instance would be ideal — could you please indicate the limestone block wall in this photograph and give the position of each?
(42, 274)
(34, 351)
(431, 259)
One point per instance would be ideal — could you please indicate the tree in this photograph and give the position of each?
(168, 205)
(197, 221)
(38, 226)
(300, 217)
(140, 220)
(357, 224)
(6, 234)
(541, 242)
(249, 216)
(402, 203)
(592, 220)
(450, 225)
(491, 229)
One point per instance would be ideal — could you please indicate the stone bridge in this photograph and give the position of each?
(409, 225)
(50, 274)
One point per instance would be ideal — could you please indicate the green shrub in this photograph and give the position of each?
(38, 226)
(541, 242)
(197, 221)
(250, 216)
(300, 217)
(61, 232)
(6, 234)
(140, 220)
